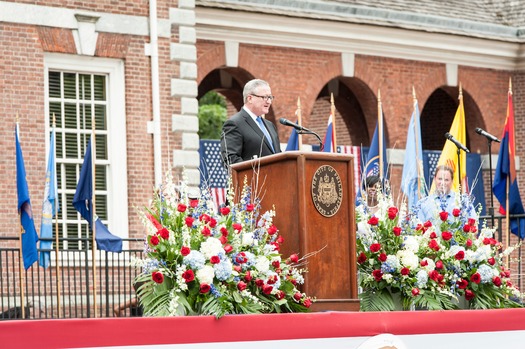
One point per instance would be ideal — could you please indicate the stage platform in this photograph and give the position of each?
(335, 330)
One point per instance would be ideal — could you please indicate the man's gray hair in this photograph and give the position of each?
(251, 86)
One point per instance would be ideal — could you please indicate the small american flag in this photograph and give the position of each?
(356, 152)
(214, 176)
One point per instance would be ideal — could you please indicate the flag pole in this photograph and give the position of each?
(93, 214)
(21, 258)
(507, 188)
(416, 141)
(300, 122)
(332, 112)
(57, 249)
(380, 133)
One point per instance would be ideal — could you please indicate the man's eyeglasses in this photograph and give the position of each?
(265, 98)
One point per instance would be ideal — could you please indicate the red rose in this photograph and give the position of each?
(213, 223)
(225, 210)
(237, 227)
(276, 264)
(361, 258)
(476, 278)
(185, 250)
(382, 257)
(276, 246)
(206, 231)
(443, 215)
(415, 291)
(491, 261)
(267, 289)
(392, 213)
(378, 275)
(188, 275)
(280, 239)
(466, 228)
(433, 235)
(397, 231)
(204, 218)
(189, 221)
(427, 224)
(446, 235)
(468, 243)
(248, 276)
(154, 240)
(307, 302)
(204, 288)
(439, 265)
(469, 295)
(456, 212)
(241, 285)
(237, 268)
(164, 233)
(373, 220)
(215, 260)
(223, 239)
(194, 202)
(279, 295)
(462, 284)
(433, 245)
(405, 271)
(460, 255)
(157, 277)
(423, 263)
(294, 258)
(228, 248)
(181, 208)
(473, 229)
(249, 207)
(259, 282)
(375, 248)
(509, 283)
(434, 275)
(224, 231)
(496, 281)
(241, 258)
(471, 222)
(272, 279)
(297, 296)
(272, 230)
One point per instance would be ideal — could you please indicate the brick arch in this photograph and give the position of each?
(209, 61)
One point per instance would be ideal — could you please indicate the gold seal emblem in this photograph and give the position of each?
(327, 190)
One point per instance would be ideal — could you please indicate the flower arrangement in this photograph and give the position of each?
(202, 262)
(429, 265)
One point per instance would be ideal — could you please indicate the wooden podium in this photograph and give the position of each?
(313, 195)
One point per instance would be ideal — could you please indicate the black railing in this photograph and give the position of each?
(70, 295)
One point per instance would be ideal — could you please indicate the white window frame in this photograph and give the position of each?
(117, 180)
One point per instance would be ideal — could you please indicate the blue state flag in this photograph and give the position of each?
(328, 143)
(293, 141)
(83, 203)
(413, 179)
(50, 206)
(506, 171)
(29, 236)
(372, 164)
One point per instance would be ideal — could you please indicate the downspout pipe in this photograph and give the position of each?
(155, 92)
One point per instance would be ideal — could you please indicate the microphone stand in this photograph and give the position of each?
(308, 132)
(491, 208)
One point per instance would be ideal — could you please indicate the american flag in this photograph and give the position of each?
(356, 152)
(214, 176)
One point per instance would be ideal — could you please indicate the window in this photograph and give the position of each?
(80, 92)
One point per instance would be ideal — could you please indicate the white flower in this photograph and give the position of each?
(411, 243)
(408, 259)
(262, 264)
(205, 275)
(430, 266)
(247, 239)
(211, 247)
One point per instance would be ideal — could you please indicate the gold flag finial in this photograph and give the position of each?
(413, 92)
(378, 95)
(16, 118)
(510, 85)
(460, 91)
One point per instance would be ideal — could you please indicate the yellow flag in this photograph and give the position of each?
(449, 156)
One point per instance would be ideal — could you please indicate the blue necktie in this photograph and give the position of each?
(265, 131)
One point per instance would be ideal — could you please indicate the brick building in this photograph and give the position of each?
(139, 68)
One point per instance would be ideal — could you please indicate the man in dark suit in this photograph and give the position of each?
(246, 135)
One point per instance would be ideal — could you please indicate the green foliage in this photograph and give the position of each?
(212, 115)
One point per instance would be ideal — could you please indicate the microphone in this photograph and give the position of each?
(486, 134)
(293, 124)
(456, 142)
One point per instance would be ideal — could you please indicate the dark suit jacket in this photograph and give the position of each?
(242, 139)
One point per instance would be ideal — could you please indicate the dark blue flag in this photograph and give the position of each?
(293, 141)
(83, 203)
(29, 235)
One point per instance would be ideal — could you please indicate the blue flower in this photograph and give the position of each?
(222, 270)
(195, 260)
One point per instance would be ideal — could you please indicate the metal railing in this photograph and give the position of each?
(66, 288)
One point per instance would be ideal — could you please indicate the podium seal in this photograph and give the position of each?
(327, 190)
